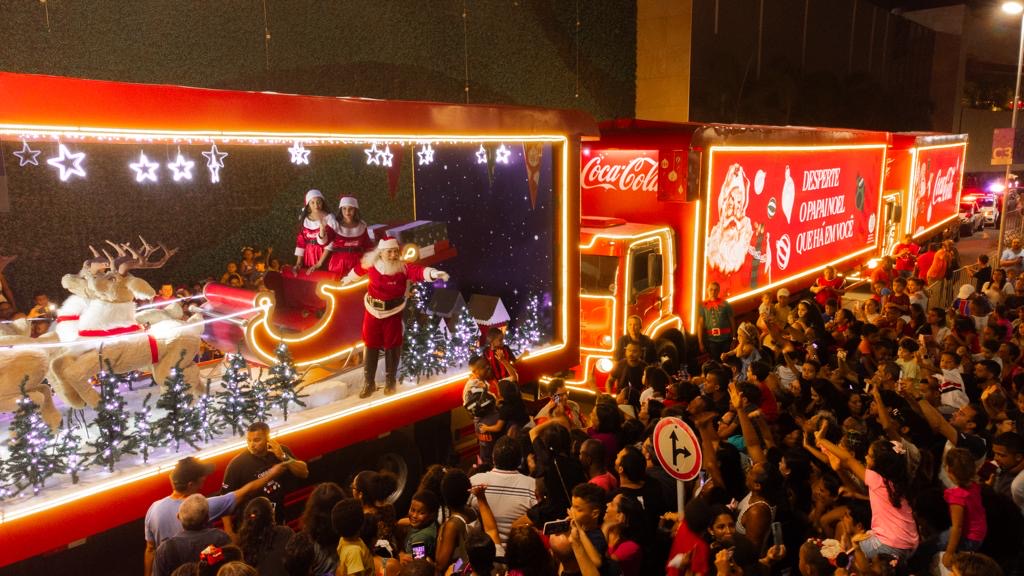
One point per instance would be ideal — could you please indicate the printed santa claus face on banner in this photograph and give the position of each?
(729, 240)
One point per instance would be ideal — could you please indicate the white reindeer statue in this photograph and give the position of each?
(108, 319)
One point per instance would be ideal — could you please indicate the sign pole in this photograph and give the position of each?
(680, 497)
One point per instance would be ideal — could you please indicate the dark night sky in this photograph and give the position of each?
(505, 247)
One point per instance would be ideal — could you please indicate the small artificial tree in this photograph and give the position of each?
(147, 436)
(283, 380)
(465, 340)
(31, 460)
(5, 489)
(180, 421)
(527, 332)
(258, 401)
(66, 449)
(231, 405)
(422, 352)
(113, 438)
(209, 419)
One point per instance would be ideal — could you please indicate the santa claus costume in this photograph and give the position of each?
(315, 234)
(384, 302)
(351, 239)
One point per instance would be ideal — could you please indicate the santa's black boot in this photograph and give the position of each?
(391, 356)
(370, 372)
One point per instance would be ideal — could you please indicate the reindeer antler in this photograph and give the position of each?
(140, 261)
(95, 264)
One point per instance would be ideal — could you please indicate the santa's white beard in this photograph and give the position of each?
(727, 246)
(389, 268)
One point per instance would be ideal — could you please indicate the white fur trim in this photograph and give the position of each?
(314, 193)
(351, 232)
(387, 243)
(349, 201)
(300, 251)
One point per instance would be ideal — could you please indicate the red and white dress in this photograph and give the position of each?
(308, 243)
(385, 300)
(348, 246)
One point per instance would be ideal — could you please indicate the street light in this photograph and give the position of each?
(1014, 9)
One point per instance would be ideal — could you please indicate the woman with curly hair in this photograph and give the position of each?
(261, 540)
(316, 522)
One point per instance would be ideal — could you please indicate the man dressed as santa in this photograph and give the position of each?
(385, 300)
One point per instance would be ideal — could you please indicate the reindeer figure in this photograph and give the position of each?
(109, 319)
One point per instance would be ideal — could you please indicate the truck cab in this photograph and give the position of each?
(626, 269)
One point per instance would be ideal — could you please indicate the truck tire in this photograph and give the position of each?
(395, 453)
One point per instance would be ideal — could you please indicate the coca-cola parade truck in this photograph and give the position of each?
(668, 208)
(488, 194)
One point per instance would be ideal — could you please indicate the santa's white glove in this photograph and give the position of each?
(439, 275)
(349, 278)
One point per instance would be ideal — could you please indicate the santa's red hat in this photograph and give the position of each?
(349, 201)
(387, 242)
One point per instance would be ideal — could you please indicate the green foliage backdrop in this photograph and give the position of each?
(524, 52)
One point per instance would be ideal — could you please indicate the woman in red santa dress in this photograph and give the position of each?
(351, 239)
(384, 302)
(316, 233)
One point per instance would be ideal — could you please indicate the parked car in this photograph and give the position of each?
(990, 210)
(971, 218)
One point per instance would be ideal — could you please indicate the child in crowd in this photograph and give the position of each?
(480, 402)
(354, 558)
(965, 508)
(421, 540)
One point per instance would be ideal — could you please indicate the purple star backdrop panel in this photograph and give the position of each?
(505, 244)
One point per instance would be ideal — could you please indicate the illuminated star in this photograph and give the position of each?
(481, 155)
(182, 168)
(61, 160)
(27, 155)
(501, 154)
(144, 169)
(372, 155)
(426, 155)
(215, 161)
(299, 153)
(384, 156)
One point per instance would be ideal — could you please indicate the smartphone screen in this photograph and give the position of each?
(419, 550)
(777, 533)
(457, 566)
(556, 527)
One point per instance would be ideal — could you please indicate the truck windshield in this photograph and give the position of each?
(597, 273)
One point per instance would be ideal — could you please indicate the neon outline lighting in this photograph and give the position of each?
(27, 155)
(144, 169)
(215, 161)
(181, 168)
(372, 155)
(299, 153)
(385, 156)
(707, 211)
(481, 155)
(501, 154)
(426, 155)
(60, 162)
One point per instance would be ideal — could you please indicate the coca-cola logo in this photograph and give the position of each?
(636, 174)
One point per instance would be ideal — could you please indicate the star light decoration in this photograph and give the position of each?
(144, 169)
(299, 153)
(481, 155)
(61, 163)
(215, 161)
(386, 156)
(501, 154)
(181, 168)
(27, 155)
(426, 155)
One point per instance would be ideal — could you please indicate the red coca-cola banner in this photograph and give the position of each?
(936, 187)
(621, 170)
(778, 213)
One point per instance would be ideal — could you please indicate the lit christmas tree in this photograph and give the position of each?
(258, 401)
(209, 420)
(422, 352)
(283, 380)
(527, 333)
(31, 459)
(180, 422)
(231, 400)
(147, 437)
(465, 341)
(66, 449)
(5, 489)
(113, 439)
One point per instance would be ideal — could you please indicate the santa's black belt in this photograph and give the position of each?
(347, 249)
(385, 305)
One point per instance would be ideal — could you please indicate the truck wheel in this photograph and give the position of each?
(396, 453)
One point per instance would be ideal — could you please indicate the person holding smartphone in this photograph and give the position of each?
(421, 522)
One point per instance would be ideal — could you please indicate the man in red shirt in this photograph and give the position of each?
(884, 272)
(384, 302)
(924, 261)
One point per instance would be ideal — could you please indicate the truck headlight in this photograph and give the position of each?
(606, 341)
(604, 365)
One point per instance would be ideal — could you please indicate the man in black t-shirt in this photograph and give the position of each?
(626, 379)
(260, 456)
